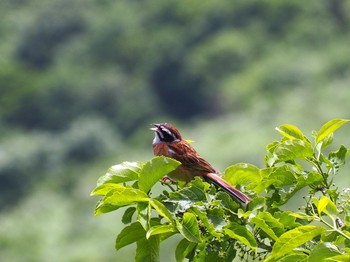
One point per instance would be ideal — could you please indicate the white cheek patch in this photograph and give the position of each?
(156, 139)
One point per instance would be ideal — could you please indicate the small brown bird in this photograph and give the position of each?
(168, 142)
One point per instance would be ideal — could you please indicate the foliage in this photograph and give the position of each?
(85, 140)
(125, 64)
(226, 53)
(213, 226)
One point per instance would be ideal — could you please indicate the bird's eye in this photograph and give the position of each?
(167, 135)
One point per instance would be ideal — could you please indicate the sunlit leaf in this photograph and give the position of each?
(339, 258)
(242, 174)
(124, 172)
(302, 216)
(104, 189)
(160, 229)
(328, 128)
(290, 150)
(292, 239)
(161, 209)
(290, 132)
(122, 196)
(154, 169)
(325, 205)
(328, 140)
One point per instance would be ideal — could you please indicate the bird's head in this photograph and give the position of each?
(165, 132)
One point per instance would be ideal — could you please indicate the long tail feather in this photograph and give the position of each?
(218, 181)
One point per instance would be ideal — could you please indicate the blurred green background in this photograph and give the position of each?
(80, 82)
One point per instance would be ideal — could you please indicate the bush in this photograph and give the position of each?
(213, 227)
(26, 159)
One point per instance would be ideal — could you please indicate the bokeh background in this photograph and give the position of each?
(80, 82)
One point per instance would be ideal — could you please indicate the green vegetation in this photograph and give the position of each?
(80, 82)
(215, 228)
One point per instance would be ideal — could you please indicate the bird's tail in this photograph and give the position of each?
(218, 181)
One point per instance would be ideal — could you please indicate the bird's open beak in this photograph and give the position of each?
(155, 128)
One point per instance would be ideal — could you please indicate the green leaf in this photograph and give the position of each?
(119, 197)
(328, 140)
(194, 192)
(227, 202)
(201, 253)
(160, 229)
(325, 205)
(294, 257)
(290, 132)
(287, 219)
(290, 150)
(321, 204)
(104, 189)
(303, 180)
(302, 216)
(102, 208)
(220, 251)
(127, 216)
(329, 128)
(147, 250)
(242, 234)
(202, 215)
(183, 249)
(130, 234)
(329, 236)
(339, 258)
(270, 225)
(127, 171)
(322, 251)
(242, 174)
(154, 169)
(144, 214)
(189, 228)
(338, 157)
(161, 209)
(292, 239)
(279, 176)
(216, 217)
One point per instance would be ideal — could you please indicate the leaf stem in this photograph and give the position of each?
(334, 228)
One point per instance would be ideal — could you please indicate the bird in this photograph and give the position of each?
(169, 142)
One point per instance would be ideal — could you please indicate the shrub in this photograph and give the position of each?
(216, 228)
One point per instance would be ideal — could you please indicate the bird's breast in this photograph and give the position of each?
(161, 149)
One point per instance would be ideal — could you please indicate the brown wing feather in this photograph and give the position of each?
(189, 157)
